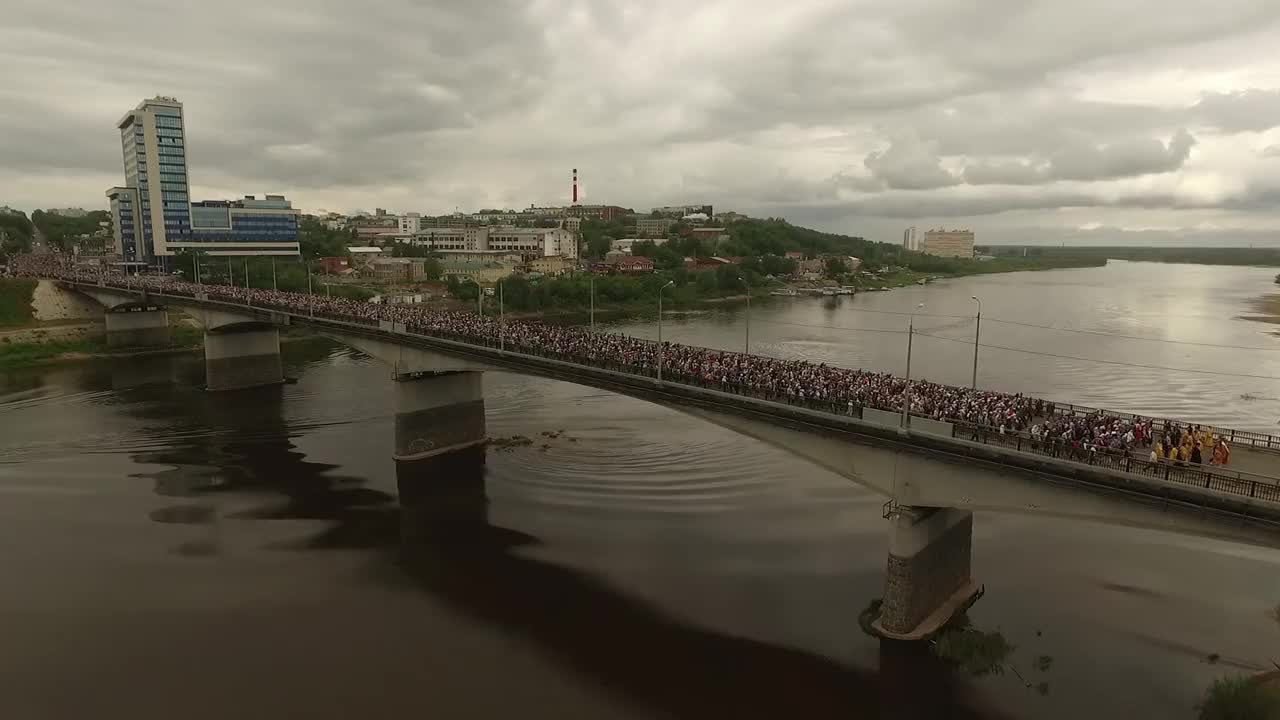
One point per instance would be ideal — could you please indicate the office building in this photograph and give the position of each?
(679, 211)
(537, 242)
(155, 190)
(654, 227)
(626, 244)
(949, 243)
(410, 223)
(125, 220)
(909, 240)
(152, 216)
(243, 227)
(605, 213)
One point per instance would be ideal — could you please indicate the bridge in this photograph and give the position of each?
(934, 474)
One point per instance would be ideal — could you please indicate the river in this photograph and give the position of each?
(172, 552)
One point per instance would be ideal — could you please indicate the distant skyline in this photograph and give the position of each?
(1091, 122)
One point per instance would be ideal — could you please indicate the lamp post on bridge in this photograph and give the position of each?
(746, 344)
(906, 394)
(977, 332)
(274, 286)
(592, 282)
(311, 296)
(660, 291)
(231, 273)
(502, 321)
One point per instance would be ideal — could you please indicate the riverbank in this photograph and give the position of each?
(1267, 309)
(183, 338)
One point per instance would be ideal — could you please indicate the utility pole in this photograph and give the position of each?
(660, 291)
(906, 395)
(977, 332)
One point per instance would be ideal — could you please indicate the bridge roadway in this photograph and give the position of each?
(928, 464)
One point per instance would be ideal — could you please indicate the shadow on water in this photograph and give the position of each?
(622, 644)
(440, 540)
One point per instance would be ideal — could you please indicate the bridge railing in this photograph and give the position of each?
(1169, 471)
(1257, 440)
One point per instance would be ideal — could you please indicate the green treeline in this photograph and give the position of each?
(60, 230)
(290, 274)
(15, 234)
(573, 294)
(1264, 257)
(775, 237)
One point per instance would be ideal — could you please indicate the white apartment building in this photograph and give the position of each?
(541, 242)
(410, 223)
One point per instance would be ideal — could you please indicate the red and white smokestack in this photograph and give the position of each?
(575, 186)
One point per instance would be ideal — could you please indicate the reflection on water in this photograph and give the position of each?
(643, 564)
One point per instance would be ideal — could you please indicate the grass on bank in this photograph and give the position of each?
(1239, 698)
(18, 354)
(15, 302)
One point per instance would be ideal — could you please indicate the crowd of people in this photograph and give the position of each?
(793, 380)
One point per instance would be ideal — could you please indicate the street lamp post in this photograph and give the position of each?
(977, 331)
(246, 273)
(746, 345)
(311, 296)
(906, 394)
(231, 273)
(502, 321)
(660, 291)
(274, 286)
(592, 282)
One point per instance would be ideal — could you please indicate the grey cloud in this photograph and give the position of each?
(441, 104)
(1086, 161)
(1271, 151)
(909, 164)
(1243, 111)
(1082, 160)
(1006, 173)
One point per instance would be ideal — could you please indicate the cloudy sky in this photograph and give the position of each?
(1026, 120)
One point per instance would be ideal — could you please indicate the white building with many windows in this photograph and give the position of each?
(537, 242)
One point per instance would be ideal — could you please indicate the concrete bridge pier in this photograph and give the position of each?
(928, 579)
(133, 327)
(438, 413)
(240, 357)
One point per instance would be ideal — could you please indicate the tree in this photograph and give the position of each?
(433, 268)
(835, 267)
(315, 240)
